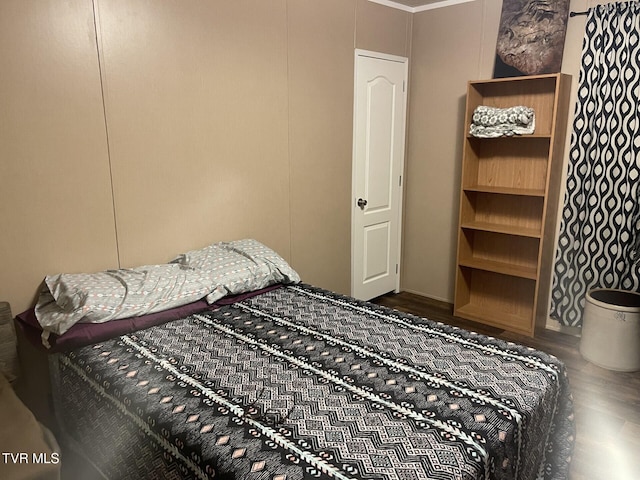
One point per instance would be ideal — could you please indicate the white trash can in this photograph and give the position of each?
(611, 329)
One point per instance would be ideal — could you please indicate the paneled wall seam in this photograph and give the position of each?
(355, 25)
(403, 210)
(482, 39)
(290, 162)
(98, 37)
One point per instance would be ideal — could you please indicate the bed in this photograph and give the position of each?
(290, 381)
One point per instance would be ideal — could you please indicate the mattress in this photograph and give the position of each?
(299, 382)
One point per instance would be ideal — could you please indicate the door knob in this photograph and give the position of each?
(362, 203)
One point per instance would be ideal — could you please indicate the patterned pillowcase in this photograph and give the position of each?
(238, 267)
(215, 271)
(113, 294)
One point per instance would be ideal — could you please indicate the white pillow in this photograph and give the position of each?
(239, 266)
(112, 294)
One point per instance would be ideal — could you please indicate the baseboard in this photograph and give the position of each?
(437, 300)
(556, 326)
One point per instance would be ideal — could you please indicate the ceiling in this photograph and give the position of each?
(414, 3)
(415, 6)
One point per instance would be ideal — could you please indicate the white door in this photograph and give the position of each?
(378, 160)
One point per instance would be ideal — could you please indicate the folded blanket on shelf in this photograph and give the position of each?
(490, 122)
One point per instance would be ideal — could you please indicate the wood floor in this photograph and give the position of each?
(607, 403)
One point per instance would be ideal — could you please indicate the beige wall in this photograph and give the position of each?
(442, 63)
(449, 47)
(223, 120)
(321, 68)
(220, 120)
(196, 105)
(55, 196)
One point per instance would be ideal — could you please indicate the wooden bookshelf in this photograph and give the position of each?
(508, 205)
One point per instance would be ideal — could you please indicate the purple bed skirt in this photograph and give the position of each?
(82, 334)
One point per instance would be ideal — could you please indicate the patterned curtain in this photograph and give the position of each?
(599, 239)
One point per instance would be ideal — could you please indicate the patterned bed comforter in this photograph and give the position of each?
(303, 383)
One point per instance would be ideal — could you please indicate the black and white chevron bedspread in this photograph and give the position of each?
(302, 383)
